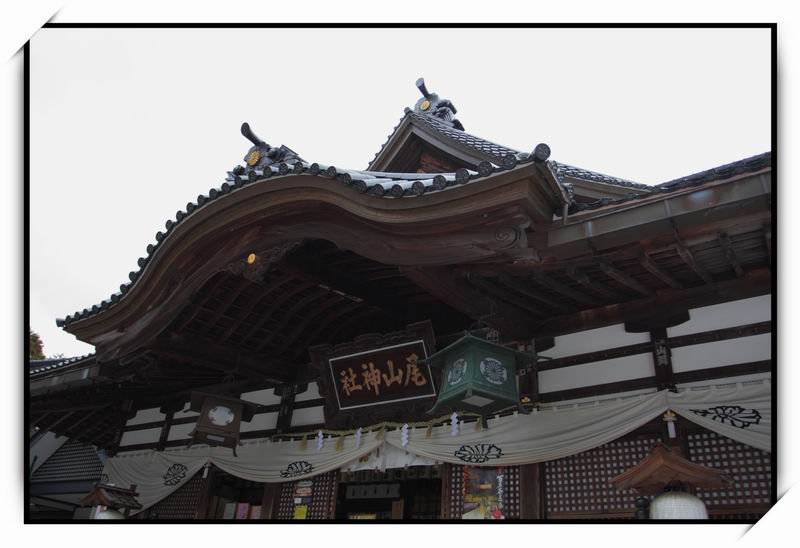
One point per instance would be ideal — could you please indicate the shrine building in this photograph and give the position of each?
(460, 330)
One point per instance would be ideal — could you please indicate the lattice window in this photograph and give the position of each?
(454, 495)
(183, 503)
(579, 485)
(750, 468)
(286, 501)
(323, 497)
(512, 485)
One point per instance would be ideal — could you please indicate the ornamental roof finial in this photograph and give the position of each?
(432, 105)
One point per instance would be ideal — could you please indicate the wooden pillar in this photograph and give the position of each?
(662, 358)
(269, 503)
(531, 491)
(287, 393)
(205, 493)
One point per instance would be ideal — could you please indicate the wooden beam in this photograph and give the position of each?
(270, 287)
(332, 300)
(327, 320)
(266, 315)
(689, 259)
(197, 305)
(230, 298)
(223, 358)
(730, 254)
(625, 279)
(440, 282)
(662, 359)
(592, 285)
(764, 366)
(754, 282)
(650, 265)
(314, 295)
(565, 290)
(529, 292)
(504, 295)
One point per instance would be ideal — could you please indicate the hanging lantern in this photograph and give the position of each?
(478, 376)
(675, 504)
(220, 419)
(665, 473)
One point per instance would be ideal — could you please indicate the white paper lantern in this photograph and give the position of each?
(677, 505)
(108, 513)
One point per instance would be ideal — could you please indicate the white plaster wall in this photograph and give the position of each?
(180, 432)
(146, 415)
(602, 372)
(593, 340)
(720, 316)
(262, 397)
(720, 353)
(262, 421)
(185, 414)
(310, 415)
(136, 437)
(311, 393)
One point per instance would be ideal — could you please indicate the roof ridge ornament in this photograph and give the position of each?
(432, 105)
(261, 154)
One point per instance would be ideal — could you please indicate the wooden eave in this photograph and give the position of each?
(479, 221)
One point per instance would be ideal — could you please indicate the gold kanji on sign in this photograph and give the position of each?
(348, 380)
(393, 377)
(413, 374)
(372, 378)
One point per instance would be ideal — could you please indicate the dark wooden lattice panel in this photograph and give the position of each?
(750, 468)
(512, 486)
(286, 501)
(579, 486)
(183, 503)
(323, 498)
(452, 491)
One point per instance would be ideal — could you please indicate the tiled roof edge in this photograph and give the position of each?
(370, 183)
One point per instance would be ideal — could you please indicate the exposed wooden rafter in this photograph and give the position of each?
(625, 279)
(564, 290)
(504, 295)
(263, 291)
(650, 265)
(457, 293)
(730, 254)
(689, 259)
(222, 358)
(593, 285)
(531, 293)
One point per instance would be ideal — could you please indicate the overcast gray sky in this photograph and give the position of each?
(128, 125)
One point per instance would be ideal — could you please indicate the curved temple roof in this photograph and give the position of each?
(264, 162)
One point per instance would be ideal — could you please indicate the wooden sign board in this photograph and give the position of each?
(381, 376)
(377, 377)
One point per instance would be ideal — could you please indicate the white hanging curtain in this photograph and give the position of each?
(743, 412)
(740, 412)
(546, 435)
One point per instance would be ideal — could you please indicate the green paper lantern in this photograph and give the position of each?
(478, 376)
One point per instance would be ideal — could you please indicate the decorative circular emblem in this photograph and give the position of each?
(221, 415)
(425, 105)
(478, 453)
(493, 371)
(735, 415)
(457, 371)
(253, 158)
(297, 468)
(175, 474)
(251, 258)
